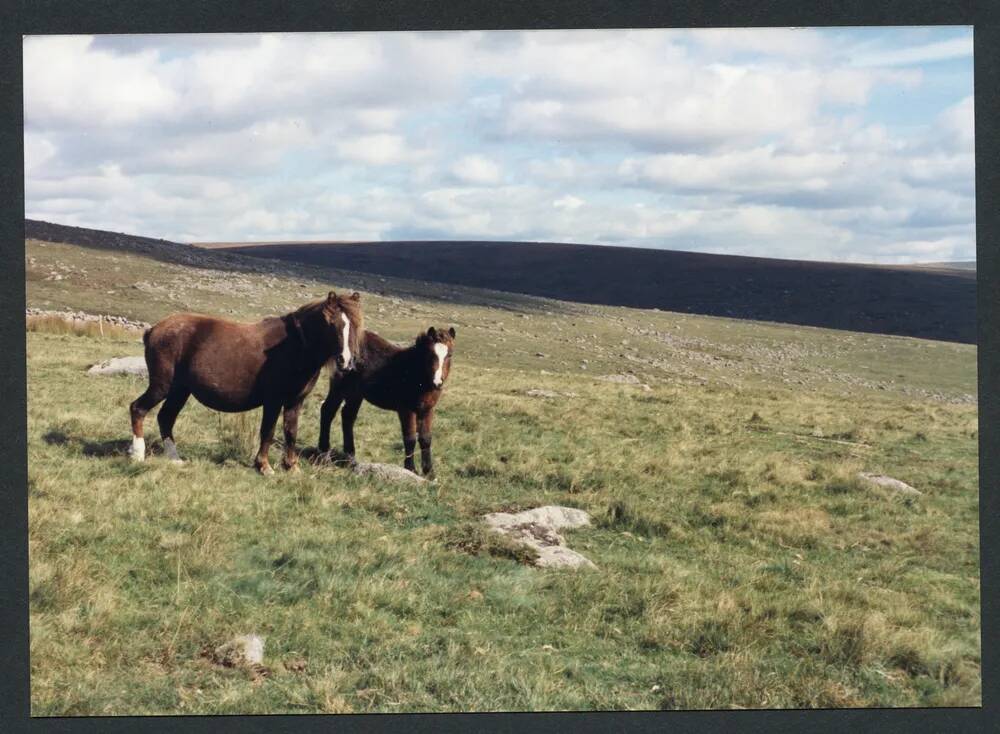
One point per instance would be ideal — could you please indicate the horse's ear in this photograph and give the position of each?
(451, 331)
(432, 332)
(331, 297)
(355, 296)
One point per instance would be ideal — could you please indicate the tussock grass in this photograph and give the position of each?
(50, 324)
(740, 562)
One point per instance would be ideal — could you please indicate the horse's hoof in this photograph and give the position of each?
(293, 469)
(137, 452)
(170, 451)
(178, 462)
(266, 470)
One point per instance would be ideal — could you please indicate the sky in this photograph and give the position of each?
(843, 144)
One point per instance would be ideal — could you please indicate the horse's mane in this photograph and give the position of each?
(350, 306)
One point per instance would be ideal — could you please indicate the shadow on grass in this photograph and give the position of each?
(333, 457)
(86, 447)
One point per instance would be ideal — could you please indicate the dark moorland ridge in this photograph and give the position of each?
(930, 302)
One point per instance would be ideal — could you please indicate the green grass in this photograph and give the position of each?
(740, 562)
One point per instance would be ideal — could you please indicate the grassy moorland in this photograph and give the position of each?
(740, 562)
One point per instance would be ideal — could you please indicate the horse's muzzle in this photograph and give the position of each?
(348, 366)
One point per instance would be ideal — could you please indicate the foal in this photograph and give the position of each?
(236, 367)
(406, 380)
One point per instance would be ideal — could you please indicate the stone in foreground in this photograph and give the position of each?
(553, 516)
(387, 472)
(241, 650)
(538, 529)
(120, 366)
(889, 483)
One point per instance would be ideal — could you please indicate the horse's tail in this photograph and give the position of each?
(145, 336)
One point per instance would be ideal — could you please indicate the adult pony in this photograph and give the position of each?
(406, 380)
(235, 367)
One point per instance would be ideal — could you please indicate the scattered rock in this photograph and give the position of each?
(387, 472)
(623, 379)
(627, 379)
(538, 528)
(239, 651)
(555, 516)
(882, 480)
(539, 393)
(120, 366)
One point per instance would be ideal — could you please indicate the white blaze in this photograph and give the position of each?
(346, 353)
(441, 351)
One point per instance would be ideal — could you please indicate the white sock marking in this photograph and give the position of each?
(138, 452)
(441, 351)
(170, 449)
(346, 353)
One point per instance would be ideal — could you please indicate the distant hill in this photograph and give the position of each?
(931, 302)
(953, 265)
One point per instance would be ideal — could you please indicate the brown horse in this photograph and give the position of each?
(406, 380)
(236, 367)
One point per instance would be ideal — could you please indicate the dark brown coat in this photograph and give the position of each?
(406, 380)
(235, 367)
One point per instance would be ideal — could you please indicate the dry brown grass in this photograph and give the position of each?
(52, 324)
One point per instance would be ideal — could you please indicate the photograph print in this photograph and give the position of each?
(591, 370)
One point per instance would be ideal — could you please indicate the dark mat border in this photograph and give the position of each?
(190, 16)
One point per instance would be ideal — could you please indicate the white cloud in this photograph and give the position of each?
(749, 169)
(37, 150)
(959, 121)
(381, 149)
(952, 48)
(568, 202)
(797, 43)
(644, 89)
(753, 141)
(67, 82)
(476, 169)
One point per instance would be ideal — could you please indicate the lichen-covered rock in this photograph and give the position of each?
(120, 366)
(538, 528)
(387, 472)
(553, 516)
(241, 650)
(559, 556)
(882, 480)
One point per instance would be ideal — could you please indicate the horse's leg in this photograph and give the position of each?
(166, 419)
(408, 425)
(424, 421)
(327, 413)
(290, 462)
(347, 416)
(155, 393)
(269, 416)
